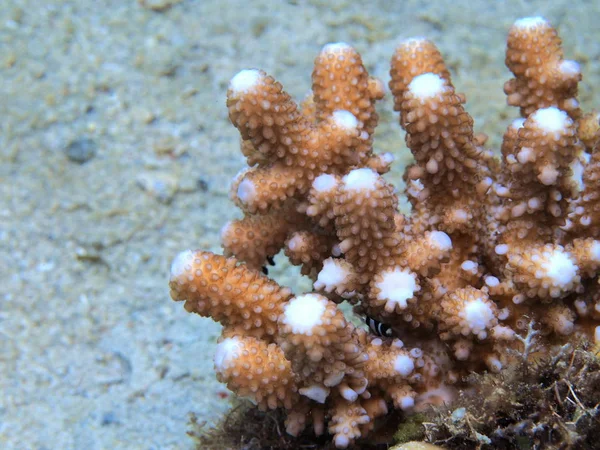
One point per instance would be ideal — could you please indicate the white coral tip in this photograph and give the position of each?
(336, 47)
(345, 120)
(531, 22)
(407, 403)
(552, 120)
(227, 350)
(441, 240)
(560, 268)
(324, 183)
(404, 365)
(501, 249)
(570, 68)
(341, 441)
(315, 392)
(412, 41)
(517, 123)
(304, 313)
(361, 180)
(296, 242)
(246, 191)
(332, 275)
(182, 263)
(396, 287)
(595, 251)
(427, 85)
(478, 314)
(245, 81)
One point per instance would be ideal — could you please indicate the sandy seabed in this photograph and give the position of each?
(93, 353)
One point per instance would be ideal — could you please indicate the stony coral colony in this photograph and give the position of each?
(498, 259)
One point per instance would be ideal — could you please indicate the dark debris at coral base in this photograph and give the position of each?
(546, 404)
(247, 428)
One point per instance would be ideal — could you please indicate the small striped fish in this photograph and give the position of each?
(271, 261)
(378, 328)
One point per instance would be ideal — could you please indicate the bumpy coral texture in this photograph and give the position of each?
(498, 259)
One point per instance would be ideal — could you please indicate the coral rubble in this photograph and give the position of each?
(550, 403)
(498, 260)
